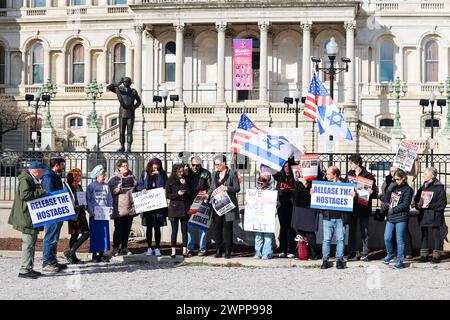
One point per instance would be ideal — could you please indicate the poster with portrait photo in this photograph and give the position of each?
(406, 154)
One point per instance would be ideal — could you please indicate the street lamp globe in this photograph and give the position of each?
(297, 95)
(165, 93)
(332, 47)
(432, 97)
(37, 95)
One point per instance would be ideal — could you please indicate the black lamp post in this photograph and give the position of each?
(289, 100)
(173, 98)
(37, 96)
(332, 50)
(425, 103)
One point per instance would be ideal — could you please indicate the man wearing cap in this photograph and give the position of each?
(51, 181)
(127, 97)
(29, 188)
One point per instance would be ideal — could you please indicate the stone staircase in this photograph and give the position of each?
(109, 137)
(375, 135)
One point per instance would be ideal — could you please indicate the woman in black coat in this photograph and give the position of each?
(179, 193)
(431, 201)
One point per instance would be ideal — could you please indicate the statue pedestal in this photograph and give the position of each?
(92, 138)
(47, 139)
(397, 137)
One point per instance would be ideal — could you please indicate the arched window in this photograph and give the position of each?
(113, 122)
(387, 61)
(77, 2)
(169, 61)
(38, 63)
(431, 61)
(118, 62)
(38, 3)
(75, 122)
(386, 123)
(436, 123)
(2, 65)
(78, 64)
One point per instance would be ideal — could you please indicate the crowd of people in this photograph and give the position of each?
(296, 217)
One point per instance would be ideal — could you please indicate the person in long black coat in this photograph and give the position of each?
(431, 214)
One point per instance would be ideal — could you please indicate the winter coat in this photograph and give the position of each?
(358, 208)
(26, 190)
(199, 181)
(51, 181)
(303, 217)
(433, 216)
(399, 212)
(231, 181)
(179, 205)
(122, 198)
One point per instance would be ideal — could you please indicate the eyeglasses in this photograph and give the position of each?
(217, 164)
(398, 179)
(124, 165)
(195, 165)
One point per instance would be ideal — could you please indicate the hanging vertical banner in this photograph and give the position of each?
(242, 64)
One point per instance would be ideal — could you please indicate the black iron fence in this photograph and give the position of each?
(13, 162)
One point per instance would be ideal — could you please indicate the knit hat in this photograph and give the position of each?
(265, 175)
(98, 170)
(36, 165)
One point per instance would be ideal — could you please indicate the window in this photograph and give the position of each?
(39, 3)
(2, 3)
(431, 61)
(38, 63)
(114, 2)
(169, 59)
(387, 61)
(76, 122)
(436, 123)
(78, 64)
(2, 65)
(119, 62)
(77, 2)
(386, 123)
(113, 122)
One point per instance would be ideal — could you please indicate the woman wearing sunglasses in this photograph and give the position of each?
(398, 196)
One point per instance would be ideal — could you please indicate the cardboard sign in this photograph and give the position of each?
(332, 196)
(152, 200)
(260, 210)
(102, 213)
(406, 154)
(55, 207)
(309, 164)
(81, 197)
(362, 186)
(198, 201)
(297, 171)
(221, 202)
(202, 219)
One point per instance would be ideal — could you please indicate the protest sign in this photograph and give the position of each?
(81, 197)
(127, 183)
(394, 200)
(199, 199)
(102, 213)
(221, 202)
(363, 186)
(309, 164)
(425, 199)
(152, 200)
(55, 207)
(297, 171)
(260, 209)
(202, 218)
(332, 196)
(406, 154)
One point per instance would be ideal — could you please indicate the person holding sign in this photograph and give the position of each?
(122, 185)
(99, 199)
(80, 225)
(180, 194)
(361, 212)
(399, 199)
(334, 224)
(431, 201)
(226, 180)
(28, 188)
(151, 178)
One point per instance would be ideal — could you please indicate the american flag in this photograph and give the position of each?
(245, 131)
(317, 96)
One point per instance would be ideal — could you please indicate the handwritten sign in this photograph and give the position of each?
(102, 213)
(152, 200)
(50, 209)
(332, 196)
(260, 209)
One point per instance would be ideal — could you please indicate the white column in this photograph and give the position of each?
(221, 28)
(62, 3)
(350, 53)
(101, 67)
(9, 4)
(48, 3)
(46, 64)
(263, 27)
(87, 65)
(444, 64)
(62, 70)
(23, 70)
(400, 62)
(179, 29)
(128, 63)
(372, 66)
(306, 63)
(138, 29)
(102, 3)
(89, 3)
(7, 67)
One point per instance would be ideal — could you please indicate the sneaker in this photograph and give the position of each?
(325, 265)
(70, 259)
(364, 258)
(28, 275)
(290, 255)
(282, 255)
(62, 266)
(51, 268)
(351, 257)
(388, 260)
(257, 257)
(157, 252)
(125, 252)
(149, 252)
(340, 264)
(114, 252)
(36, 273)
(398, 266)
(202, 253)
(265, 258)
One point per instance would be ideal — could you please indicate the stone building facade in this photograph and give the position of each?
(186, 47)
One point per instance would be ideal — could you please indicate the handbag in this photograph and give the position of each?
(380, 215)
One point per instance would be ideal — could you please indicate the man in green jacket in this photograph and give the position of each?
(29, 188)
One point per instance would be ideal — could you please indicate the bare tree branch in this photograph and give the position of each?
(11, 116)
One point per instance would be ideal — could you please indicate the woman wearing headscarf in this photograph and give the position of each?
(151, 178)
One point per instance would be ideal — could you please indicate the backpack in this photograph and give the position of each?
(302, 247)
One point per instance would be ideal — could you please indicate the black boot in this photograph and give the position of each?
(129, 147)
(228, 254)
(218, 253)
(423, 255)
(436, 256)
(121, 149)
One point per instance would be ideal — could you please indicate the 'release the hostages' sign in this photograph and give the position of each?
(55, 207)
(332, 196)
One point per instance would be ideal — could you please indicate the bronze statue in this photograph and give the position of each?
(127, 97)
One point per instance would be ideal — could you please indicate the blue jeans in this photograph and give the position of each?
(263, 244)
(192, 234)
(330, 227)
(50, 243)
(399, 228)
